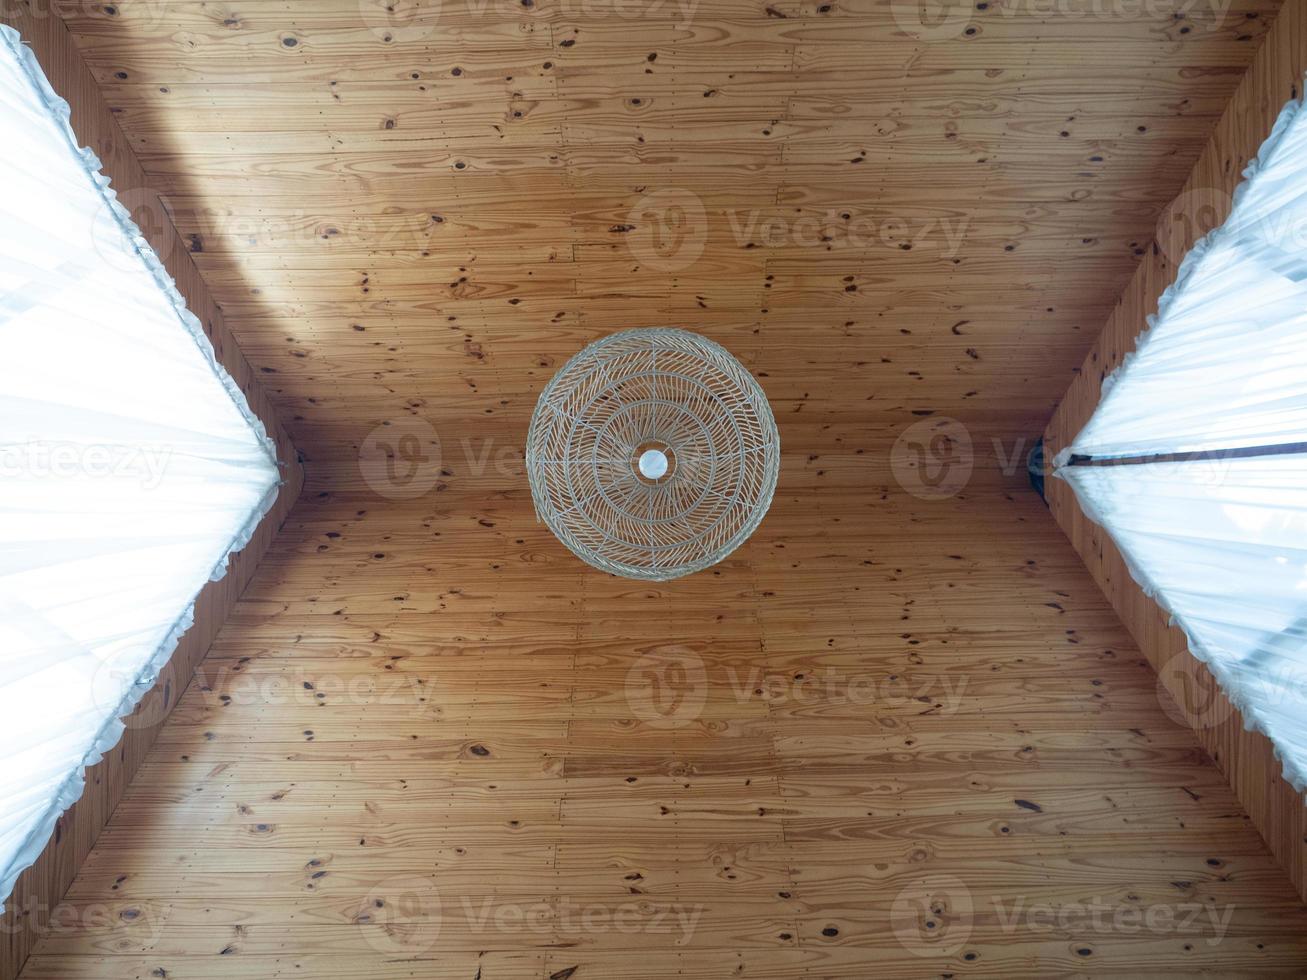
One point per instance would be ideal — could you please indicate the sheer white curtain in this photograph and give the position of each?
(1224, 361)
(130, 463)
(1218, 534)
(1222, 546)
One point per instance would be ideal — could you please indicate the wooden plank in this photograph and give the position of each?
(822, 771)
(304, 147)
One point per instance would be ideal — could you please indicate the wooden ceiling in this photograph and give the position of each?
(421, 207)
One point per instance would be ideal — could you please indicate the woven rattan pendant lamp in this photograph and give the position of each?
(652, 454)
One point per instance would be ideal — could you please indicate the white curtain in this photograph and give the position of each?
(1218, 535)
(1224, 362)
(1222, 546)
(130, 464)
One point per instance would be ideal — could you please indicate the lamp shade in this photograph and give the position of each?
(652, 454)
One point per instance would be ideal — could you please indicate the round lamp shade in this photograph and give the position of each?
(652, 454)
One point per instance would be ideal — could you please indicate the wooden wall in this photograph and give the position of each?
(41, 887)
(433, 219)
(1245, 757)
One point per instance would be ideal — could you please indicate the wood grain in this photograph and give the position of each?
(430, 743)
(890, 736)
(371, 187)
